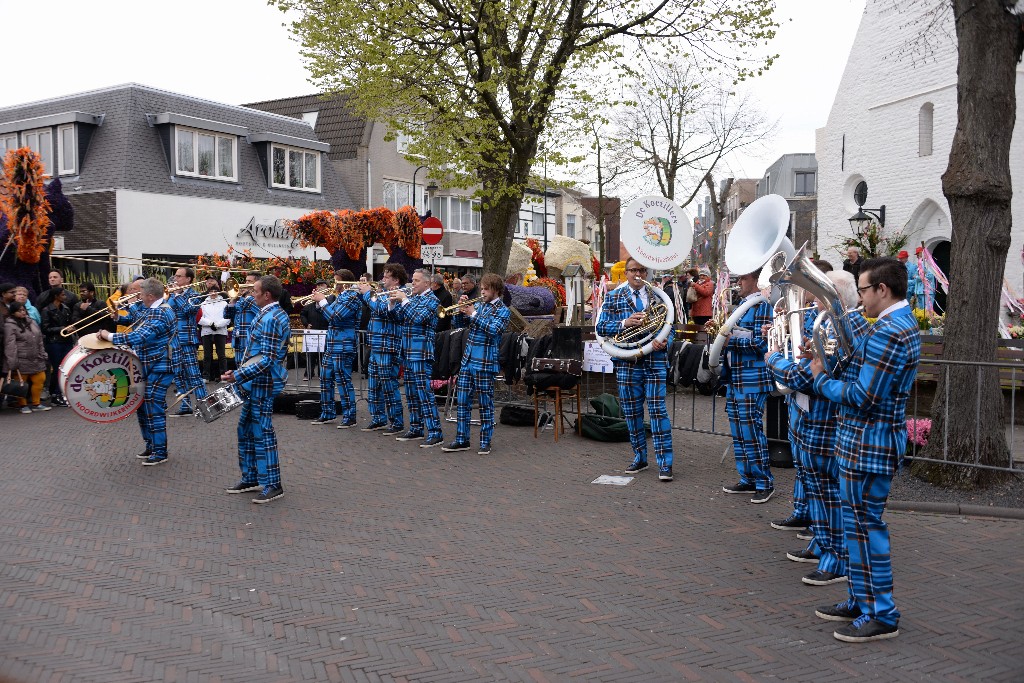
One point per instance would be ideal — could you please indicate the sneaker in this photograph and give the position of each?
(740, 488)
(455, 446)
(154, 460)
(844, 611)
(410, 436)
(791, 523)
(822, 578)
(636, 467)
(346, 424)
(39, 408)
(323, 421)
(665, 474)
(144, 454)
(484, 450)
(433, 441)
(805, 535)
(864, 629)
(392, 431)
(375, 426)
(268, 494)
(803, 556)
(25, 410)
(243, 487)
(762, 496)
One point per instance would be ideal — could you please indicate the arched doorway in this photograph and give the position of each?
(940, 252)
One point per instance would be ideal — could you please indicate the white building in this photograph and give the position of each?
(892, 125)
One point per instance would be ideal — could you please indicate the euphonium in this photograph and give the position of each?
(633, 343)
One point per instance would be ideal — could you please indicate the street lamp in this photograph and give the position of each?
(418, 169)
(863, 217)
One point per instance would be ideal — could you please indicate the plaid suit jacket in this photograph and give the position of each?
(185, 312)
(747, 369)
(483, 339)
(151, 340)
(619, 305)
(342, 317)
(872, 427)
(383, 329)
(418, 318)
(242, 312)
(268, 336)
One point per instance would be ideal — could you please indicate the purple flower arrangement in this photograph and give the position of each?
(918, 431)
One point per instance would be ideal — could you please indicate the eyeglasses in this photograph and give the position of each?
(636, 270)
(861, 289)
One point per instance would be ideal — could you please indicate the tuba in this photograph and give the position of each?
(656, 236)
(758, 239)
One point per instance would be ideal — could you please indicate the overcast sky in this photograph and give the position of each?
(237, 51)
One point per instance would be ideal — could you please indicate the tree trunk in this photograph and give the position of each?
(978, 186)
(498, 226)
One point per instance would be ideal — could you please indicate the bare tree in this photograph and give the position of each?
(679, 126)
(717, 214)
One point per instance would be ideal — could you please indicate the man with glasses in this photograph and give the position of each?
(749, 386)
(385, 349)
(870, 442)
(642, 378)
(185, 341)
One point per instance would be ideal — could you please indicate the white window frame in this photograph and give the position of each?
(287, 168)
(7, 143)
(180, 131)
(925, 129)
(570, 222)
(61, 170)
(47, 163)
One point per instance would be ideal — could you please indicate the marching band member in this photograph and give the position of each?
(645, 378)
(486, 321)
(417, 314)
(185, 359)
(385, 348)
(126, 316)
(150, 341)
(749, 386)
(263, 369)
(870, 443)
(342, 313)
(242, 311)
(815, 443)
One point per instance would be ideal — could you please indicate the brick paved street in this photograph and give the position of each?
(385, 562)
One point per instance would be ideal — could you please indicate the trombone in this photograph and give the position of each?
(232, 290)
(445, 311)
(303, 300)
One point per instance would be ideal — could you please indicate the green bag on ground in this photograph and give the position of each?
(606, 423)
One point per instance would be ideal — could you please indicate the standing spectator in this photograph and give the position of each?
(924, 289)
(445, 299)
(313, 318)
(21, 296)
(469, 288)
(285, 299)
(705, 288)
(46, 296)
(668, 285)
(7, 295)
(685, 281)
(213, 328)
(25, 354)
(56, 316)
(853, 262)
(89, 306)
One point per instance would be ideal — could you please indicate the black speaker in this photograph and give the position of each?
(567, 342)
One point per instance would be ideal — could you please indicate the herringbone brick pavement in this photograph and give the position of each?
(386, 562)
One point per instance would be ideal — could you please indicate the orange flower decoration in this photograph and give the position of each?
(23, 201)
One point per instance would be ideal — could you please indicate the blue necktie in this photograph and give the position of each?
(639, 302)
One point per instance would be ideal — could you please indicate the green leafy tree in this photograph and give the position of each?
(479, 85)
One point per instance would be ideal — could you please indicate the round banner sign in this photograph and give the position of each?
(102, 385)
(655, 232)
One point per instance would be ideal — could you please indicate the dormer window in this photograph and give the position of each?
(290, 163)
(205, 154)
(60, 140)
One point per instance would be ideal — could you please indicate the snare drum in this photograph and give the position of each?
(102, 385)
(219, 403)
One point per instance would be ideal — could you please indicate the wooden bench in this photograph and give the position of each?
(1010, 377)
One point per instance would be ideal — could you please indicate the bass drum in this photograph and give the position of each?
(102, 385)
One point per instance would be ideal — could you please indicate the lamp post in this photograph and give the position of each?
(863, 217)
(418, 169)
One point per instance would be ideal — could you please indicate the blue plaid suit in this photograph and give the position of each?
(264, 379)
(816, 435)
(418, 318)
(132, 313)
(871, 441)
(186, 360)
(478, 368)
(151, 343)
(749, 386)
(640, 380)
(385, 348)
(340, 354)
(242, 313)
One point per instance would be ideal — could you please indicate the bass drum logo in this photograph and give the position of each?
(656, 233)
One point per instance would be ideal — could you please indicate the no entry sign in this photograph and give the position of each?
(433, 231)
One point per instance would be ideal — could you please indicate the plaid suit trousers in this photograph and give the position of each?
(186, 373)
(337, 370)
(867, 542)
(481, 384)
(385, 401)
(258, 457)
(152, 414)
(645, 379)
(420, 399)
(749, 443)
(800, 509)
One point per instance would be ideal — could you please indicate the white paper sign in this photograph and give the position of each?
(596, 359)
(314, 341)
(431, 252)
(612, 480)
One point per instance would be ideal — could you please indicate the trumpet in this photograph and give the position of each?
(303, 300)
(390, 293)
(445, 311)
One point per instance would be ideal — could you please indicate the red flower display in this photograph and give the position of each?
(556, 288)
(23, 201)
(538, 259)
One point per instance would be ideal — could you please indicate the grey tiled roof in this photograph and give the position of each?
(335, 122)
(126, 153)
